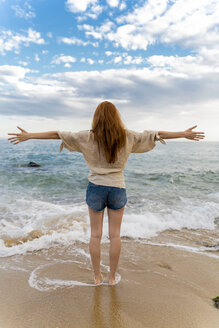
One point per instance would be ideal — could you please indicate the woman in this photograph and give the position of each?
(106, 148)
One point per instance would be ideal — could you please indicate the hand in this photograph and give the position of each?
(189, 134)
(23, 136)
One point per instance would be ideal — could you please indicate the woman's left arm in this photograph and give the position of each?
(188, 134)
(24, 135)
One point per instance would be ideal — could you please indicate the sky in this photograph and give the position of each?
(156, 60)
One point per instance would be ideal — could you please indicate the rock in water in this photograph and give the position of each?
(33, 164)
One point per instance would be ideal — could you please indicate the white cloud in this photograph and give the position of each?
(122, 6)
(113, 3)
(67, 65)
(25, 12)
(75, 41)
(11, 74)
(90, 61)
(37, 58)
(126, 59)
(95, 11)
(23, 63)
(63, 59)
(210, 54)
(98, 32)
(49, 34)
(156, 93)
(130, 60)
(108, 53)
(190, 24)
(79, 5)
(187, 66)
(10, 41)
(92, 12)
(117, 59)
(128, 37)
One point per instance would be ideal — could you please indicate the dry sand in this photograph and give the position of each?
(162, 288)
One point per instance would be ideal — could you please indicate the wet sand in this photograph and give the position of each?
(162, 287)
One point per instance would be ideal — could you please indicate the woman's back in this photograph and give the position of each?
(102, 172)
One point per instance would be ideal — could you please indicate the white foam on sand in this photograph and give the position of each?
(44, 283)
(199, 250)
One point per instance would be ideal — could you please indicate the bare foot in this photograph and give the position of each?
(98, 279)
(112, 281)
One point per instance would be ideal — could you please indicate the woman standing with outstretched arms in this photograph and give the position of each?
(106, 148)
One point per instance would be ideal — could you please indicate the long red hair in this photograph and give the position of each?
(109, 130)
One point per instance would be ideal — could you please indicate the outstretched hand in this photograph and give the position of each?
(193, 135)
(19, 137)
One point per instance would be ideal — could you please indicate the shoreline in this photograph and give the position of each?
(161, 288)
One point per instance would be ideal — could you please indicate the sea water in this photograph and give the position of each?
(171, 188)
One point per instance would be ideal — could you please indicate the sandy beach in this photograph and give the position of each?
(163, 287)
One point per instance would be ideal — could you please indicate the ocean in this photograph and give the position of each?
(173, 201)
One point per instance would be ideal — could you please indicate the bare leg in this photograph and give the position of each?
(114, 220)
(96, 224)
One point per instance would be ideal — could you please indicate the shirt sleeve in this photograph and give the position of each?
(70, 140)
(145, 141)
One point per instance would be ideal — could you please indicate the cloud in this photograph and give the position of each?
(90, 61)
(12, 74)
(113, 3)
(159, 88)
(124, 58)
(130, 60)
(163, 92)
(49, 34)
(10, 41)
(37, 58)
(23, 63)
(63, 59)
(76, 6)
(98, 32)
(122, 6)
(25, 12)
(75, 41)
(188, 24)
(117, 59)
(187, 66)
(108, 53)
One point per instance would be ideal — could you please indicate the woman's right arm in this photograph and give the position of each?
(24, 135)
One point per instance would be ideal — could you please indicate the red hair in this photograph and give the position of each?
(109, 130)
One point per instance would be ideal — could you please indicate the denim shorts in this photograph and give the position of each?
(98, 197)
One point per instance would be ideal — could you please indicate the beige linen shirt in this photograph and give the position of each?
(102, 172)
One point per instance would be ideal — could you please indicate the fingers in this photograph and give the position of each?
(14, 143)
(20, 137)
(21, 129)
(14, 139)
(193, 127)
(13, 134)
(201, 136)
